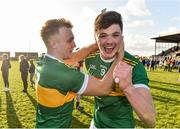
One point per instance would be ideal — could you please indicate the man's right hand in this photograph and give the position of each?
(123, 72)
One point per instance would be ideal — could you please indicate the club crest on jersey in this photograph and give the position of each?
(91, 66)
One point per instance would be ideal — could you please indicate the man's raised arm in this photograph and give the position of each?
(81, 54)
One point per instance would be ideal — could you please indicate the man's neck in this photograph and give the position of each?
(107, 60)
(55, 56)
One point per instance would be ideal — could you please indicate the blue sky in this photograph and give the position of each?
(21, 21)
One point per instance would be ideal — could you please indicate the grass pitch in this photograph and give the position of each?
(17, 109)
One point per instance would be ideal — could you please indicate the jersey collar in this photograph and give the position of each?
(52, 57)
(107, 61)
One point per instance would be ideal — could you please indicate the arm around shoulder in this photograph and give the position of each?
(82, 53)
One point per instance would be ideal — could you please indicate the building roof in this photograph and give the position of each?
(168, 38)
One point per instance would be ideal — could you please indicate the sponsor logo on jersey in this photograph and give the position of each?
(104, 67)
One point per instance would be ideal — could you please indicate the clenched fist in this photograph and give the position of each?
(123, 72)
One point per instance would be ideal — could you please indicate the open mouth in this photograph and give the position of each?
(109, 49)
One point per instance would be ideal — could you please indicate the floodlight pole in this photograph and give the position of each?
(155, 49)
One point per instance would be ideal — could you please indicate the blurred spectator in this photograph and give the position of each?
(147, 64)
(24, 66)
(152, 64)
(32, 72)
(165, 65)
(143, 61)
(5, 70)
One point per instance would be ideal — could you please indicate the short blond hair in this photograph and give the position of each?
(52, 26)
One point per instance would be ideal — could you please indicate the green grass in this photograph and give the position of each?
(165, 90)
(17, 109)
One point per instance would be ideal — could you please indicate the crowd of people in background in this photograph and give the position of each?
(167, 63)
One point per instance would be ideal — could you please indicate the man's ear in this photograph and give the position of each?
(52, 42)
(95, 37)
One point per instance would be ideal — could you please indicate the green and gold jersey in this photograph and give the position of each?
(114, 110)
(57, 85)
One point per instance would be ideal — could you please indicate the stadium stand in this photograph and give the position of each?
(167, 45)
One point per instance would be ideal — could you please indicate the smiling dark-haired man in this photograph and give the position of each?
(132, 93)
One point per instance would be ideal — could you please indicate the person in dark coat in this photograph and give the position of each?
(32, 71)
(24, 67)
(5, 71)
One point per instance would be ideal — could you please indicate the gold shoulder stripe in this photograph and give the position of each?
(51, 97)
(131, 61)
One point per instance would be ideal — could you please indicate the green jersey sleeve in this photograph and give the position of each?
(139, 75)
(77, 81)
